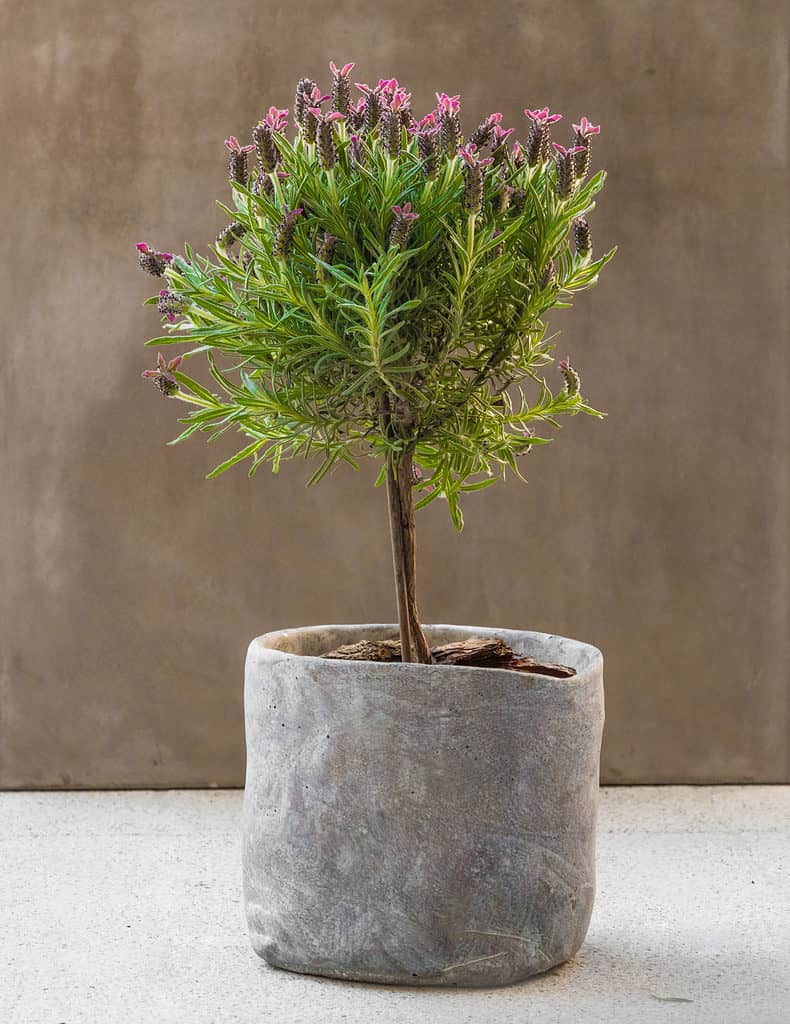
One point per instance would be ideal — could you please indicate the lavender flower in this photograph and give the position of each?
(473, 179)
(573, 382)
(549, 275)
(265, 146)
(566, 177)
(356, 150)
(284, 233)
(373, 106)
(170, 305)
(538, 139)
(237, 161)
(518, 200)
(304, 89)
(582, 239)
(449, 118)
(499, 137)
(325, 251)
(518, 156)
(402, 224)
(327, 149)
(263, 184)
(392, 124)
(581, 161)
(483, 134)
(426, 132)
(151, 260)
(356, 114)
(310, 126)
(162, 376)
(341, 88)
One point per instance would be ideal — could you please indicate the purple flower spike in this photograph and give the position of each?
(566, 171)
(162, 376)
(402, 223)
(341, 87)
(473, 178)
(151, 260)
(284, 232)
(448, 116)
(581, 162)
(237, 161)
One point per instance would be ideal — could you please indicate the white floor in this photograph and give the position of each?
(124, 908)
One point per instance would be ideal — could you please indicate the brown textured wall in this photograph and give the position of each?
(130, 586)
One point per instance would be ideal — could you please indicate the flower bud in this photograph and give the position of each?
(449, 123)
(284, 233)
(151, 260)
(265, 147)
(538, 139)
(573, 382)
(566, 178)
(162, 376)
(170, 305)
(341, 88)
(325, 251)
(582, 239)
(581, 159)
(548, 276)
(230, 235)
(391, 132)
(304, 88)
(402, 224)
(429, 151)
(518, 200)
(327, 150)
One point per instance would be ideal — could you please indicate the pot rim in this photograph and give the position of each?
(266, 647)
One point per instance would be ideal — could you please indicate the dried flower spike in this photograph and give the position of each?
(582, 239)
(573, 382)
(284, 233)
(341, 88)
(162, 376)
(402, 224)
(151, 260)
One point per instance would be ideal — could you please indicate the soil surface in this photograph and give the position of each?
(476, 652)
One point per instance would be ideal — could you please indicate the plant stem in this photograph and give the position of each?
(400, 497)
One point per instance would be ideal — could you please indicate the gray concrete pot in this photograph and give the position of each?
(419, 824)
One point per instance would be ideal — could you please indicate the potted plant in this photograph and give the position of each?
(420, 801)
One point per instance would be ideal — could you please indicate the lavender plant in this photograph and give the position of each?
(381, 289)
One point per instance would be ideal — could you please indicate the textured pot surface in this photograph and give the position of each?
(419, 824)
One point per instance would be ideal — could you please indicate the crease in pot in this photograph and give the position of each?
(419, 824)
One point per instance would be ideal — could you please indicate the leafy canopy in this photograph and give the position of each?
(383, 288)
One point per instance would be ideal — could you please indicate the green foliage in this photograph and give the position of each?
(364, 348)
